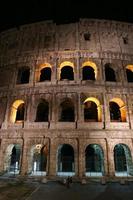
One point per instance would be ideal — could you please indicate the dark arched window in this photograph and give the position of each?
(129, 74)
(67, 111)
(23, 75)
(94, 159)
(88, 73)
(115, 114)
(67, 73)
(20, 112)
(45, 74)
(109, 73)
(42, 112)
(90, 111)
(66, 158)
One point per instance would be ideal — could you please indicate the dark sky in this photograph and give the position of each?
(13, 13)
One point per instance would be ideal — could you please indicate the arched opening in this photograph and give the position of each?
(65, 160)
(129, 74)
(94, 160)
(23, 75)
(17, 111)
(45, 74)
(42, 113)
(117, 110)
(67, 73)
(122, 160)
(67, 111)
(109, 73)
(38, 160)
(90, 111)
(115, 114)
(12, 159)
(20, 113)
(88, 73)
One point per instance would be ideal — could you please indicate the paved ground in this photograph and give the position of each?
(91, 191)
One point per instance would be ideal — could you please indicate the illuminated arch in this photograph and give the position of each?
(66, 64)
(40, 68)
(130, 67)
(99, 109)
(122, 108)
(14, 109)
(129, 73)
(91, 64)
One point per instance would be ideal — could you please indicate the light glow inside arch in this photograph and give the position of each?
(63, 64)
(122, 107)
(130, 67)
(14, 108)
(91, 64)
(99, 109)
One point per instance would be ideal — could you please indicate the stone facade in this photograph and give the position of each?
(88, 42)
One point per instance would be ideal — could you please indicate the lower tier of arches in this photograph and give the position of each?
(60, 157)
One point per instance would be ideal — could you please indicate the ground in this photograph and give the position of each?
(55, 190)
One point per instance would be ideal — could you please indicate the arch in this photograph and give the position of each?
(66, 111)
(117, 110)
(66, 71)
(38, 160)
(65, 159)
(12, 159)
(92, 110)
(23, 75)
(122, 160)
(129, 73)
(45, 74)
(109, 73)
(42, 113)
(89, 65)
(94, 160)
(17, 111)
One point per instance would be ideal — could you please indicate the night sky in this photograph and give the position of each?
(13, 14)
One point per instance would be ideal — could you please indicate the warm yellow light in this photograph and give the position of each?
(97, 102)
(14, 108)
(91, 64)
(63, 64)
(44, 65)
(66, 63)
(122, 108)
(130, 67)
(118, 101)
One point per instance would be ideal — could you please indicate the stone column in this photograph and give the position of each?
(81, 163)
(52, 158)
(110, 159)
(1, 156)
(24, 159)
(80, 110)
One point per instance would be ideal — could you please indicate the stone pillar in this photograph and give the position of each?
(110, 159)
(52, 159)
(81, 163)
(1, 156)
(24, 159)
(32, 75)
(80, 110)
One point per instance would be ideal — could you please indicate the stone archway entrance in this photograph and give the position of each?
(65, 160)
(38, 160)
(123, 160)
(12, 159)
(94, 160)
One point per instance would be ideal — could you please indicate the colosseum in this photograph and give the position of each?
(66, 100)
